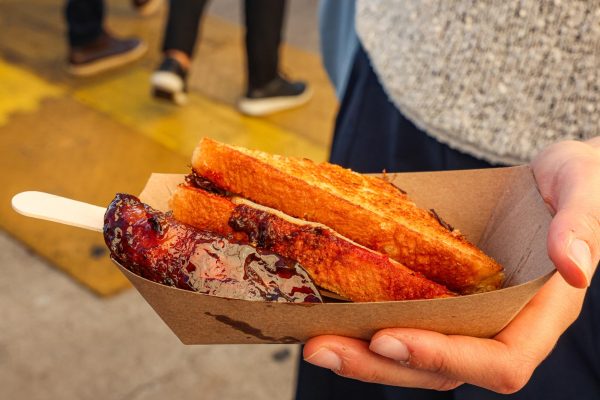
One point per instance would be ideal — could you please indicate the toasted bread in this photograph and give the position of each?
(333, 261)
(365, 209)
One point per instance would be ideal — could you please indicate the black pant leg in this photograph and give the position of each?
(264, 23)
(183, 21)
(84, 21)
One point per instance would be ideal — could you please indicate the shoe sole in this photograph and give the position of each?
(167, 86)
(261, 107)
(108, 63)
(178, 98)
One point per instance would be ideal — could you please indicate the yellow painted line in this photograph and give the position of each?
(74, 151)
(22, 91)
(126, 98)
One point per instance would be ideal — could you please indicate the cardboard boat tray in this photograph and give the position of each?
(499, 209)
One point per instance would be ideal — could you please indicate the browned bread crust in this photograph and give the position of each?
(333, 261)
(366, 209)
(204, 210)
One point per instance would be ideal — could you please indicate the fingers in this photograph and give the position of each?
(483, 362)
(535, 330)
(353, 359)
(574, 234)
(503, 364)
(435, 361)
(574, 245)
(417, 358)
(568, 177)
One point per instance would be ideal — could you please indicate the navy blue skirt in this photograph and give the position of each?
(371, 135)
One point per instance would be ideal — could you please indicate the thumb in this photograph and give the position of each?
(574, 244)
(568, 176)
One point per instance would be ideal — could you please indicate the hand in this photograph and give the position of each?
(568, 175)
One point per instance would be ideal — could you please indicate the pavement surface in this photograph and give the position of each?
(71, 327)
(59, 341)
(89, 138)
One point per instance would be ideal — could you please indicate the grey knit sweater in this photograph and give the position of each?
(496, 79)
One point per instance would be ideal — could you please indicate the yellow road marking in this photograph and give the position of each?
(71, 150)
(57, 144)
(21, 90)
(126, 98)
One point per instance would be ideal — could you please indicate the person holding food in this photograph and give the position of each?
(459, 85)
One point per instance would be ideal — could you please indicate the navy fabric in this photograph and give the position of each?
(371, 135)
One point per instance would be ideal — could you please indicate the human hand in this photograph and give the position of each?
(568, 176)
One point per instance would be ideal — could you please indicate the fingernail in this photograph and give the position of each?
(325, 358)
(390, 347)
(580, 254)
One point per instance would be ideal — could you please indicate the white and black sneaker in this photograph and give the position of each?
(169, 82)
(277, 95)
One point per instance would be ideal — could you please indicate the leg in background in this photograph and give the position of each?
(91, 49)
(264, 23)
(84, 21)
(183, 23)
(169, 81)
(267, 91)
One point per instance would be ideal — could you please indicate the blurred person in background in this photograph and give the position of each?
(267, 90)
(92, 49)
(452, 85)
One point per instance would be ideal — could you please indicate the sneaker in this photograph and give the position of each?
(169, 82)
(105, 53)
(277, 95)
(146, 7)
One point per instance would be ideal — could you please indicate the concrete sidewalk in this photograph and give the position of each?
(60, 341)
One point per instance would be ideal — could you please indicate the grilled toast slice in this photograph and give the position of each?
(365, 209)
(334, 262)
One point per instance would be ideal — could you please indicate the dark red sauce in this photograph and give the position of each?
(155, 246)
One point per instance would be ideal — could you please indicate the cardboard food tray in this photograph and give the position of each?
(498, 209)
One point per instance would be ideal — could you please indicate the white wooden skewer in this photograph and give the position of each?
(59, 209)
